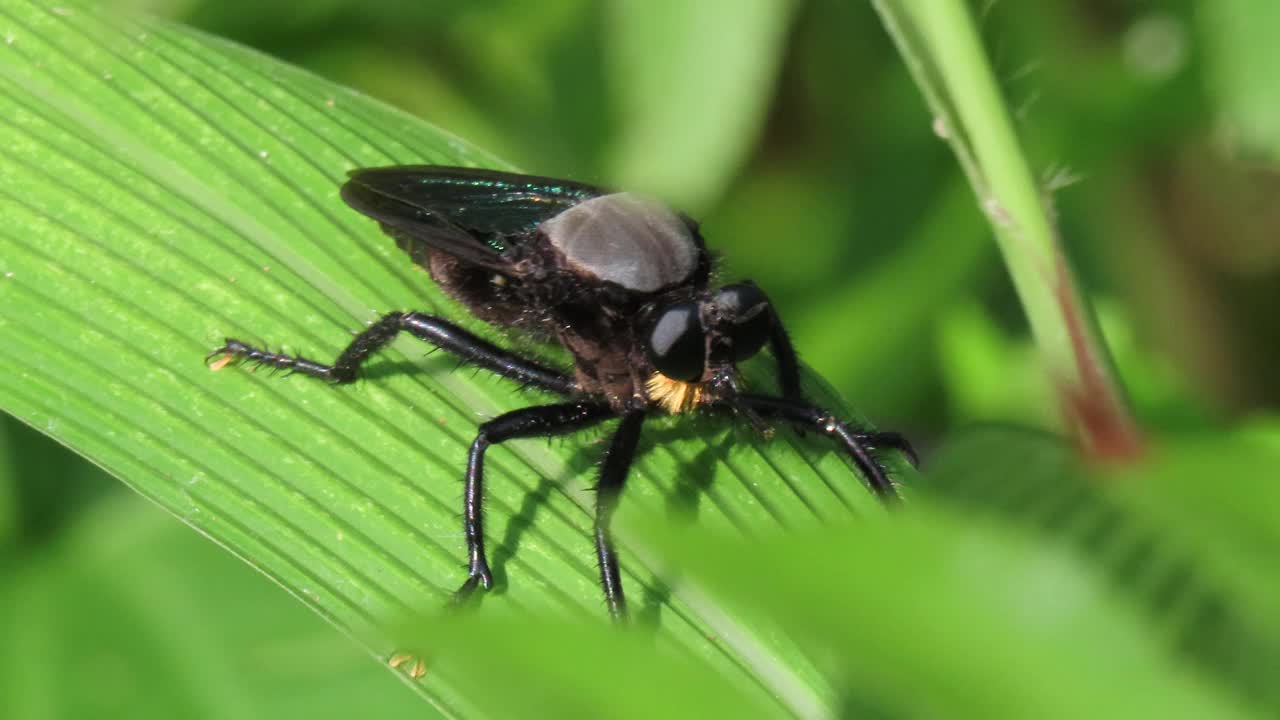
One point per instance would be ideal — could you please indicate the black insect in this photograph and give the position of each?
(620, 281)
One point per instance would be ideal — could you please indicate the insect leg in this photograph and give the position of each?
(439, 332)
(613, 475)
(789, 382)
(785, 355)
(857, 444)
(893, 441)
(539, 421)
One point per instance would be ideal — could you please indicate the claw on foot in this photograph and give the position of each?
(468, 589)
(219, 359)
(893, 441)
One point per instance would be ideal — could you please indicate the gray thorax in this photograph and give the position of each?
(626, 239)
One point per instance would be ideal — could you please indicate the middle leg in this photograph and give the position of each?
(539, 421)
(613, 475)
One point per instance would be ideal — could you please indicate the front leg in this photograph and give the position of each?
(785, 355)
(437, 331)
(857, 444)
(539, 421)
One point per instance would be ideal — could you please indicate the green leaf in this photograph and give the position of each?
(163, 190)
(1017, 585)
(131, 615)
(1187, 536)
(575, 670)
(946, 617)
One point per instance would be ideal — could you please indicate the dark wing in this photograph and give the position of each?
(470, 213)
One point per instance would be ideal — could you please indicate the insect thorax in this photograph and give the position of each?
(636, 243)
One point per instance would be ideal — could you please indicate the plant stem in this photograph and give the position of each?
(941, 46)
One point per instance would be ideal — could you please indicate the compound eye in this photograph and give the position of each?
(749, 318)
(678, 343)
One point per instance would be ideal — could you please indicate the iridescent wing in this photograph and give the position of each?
(473, 214)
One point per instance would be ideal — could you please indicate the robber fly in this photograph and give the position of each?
(620, 281)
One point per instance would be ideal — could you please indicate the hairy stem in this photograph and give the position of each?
(941, 46)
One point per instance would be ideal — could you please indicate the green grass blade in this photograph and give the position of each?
(163, 190)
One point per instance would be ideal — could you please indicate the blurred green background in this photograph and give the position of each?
(809, 156)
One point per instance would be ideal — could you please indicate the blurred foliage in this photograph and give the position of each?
(110, 609)
(827, 186)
